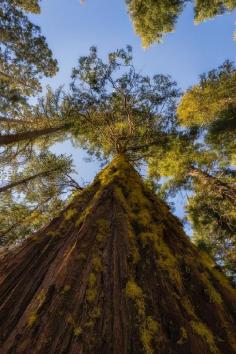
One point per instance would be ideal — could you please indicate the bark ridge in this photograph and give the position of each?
(114, 274)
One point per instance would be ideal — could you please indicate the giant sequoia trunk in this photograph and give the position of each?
(114, 273)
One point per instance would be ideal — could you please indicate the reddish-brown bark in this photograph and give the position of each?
(114, 273)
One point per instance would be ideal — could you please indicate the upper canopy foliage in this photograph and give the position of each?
(205, 102)
(24, 54)
(120, 111)
(152, 19)
(27, 5)
(211, 106)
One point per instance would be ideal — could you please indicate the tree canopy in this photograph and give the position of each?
(122, 112)
(119, 110)
(24, 55)
(152, 19)
(211, 105)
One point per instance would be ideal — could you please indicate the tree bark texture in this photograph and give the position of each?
(114, 274)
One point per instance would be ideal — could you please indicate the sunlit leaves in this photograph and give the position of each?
(205, 102)
(119, 110)
(24, 53)
(153, 19)
(213, 219)
(211, 106)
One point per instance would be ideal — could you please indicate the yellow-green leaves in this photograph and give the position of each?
(152, 19)
(205, 102)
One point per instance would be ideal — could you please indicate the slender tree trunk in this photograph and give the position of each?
(26, 180)
(28, 135)
(114, 274)
(11, 121)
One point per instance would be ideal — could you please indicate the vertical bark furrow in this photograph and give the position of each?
(114, 273)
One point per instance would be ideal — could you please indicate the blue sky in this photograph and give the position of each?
(71, 28)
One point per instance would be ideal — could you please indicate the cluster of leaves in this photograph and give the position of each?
(213, 219)
(119, 110)
(152, 19)
(211, 106)
(24, 54)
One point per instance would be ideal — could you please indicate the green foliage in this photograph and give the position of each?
(24, 52)
(27, 5)
(210, 107)
(118, 110)
(24, 58)
(205, 102)
(34, 194)
(205, 10)
(179, 163)
(152, 19)
(213, 219)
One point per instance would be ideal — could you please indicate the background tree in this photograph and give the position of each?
(211, 195)
(210, 106)
(152, 19)
(37, 127)
(213, 219)
(201, 161)
(33, 193)
(24, 54)
(24, 58)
